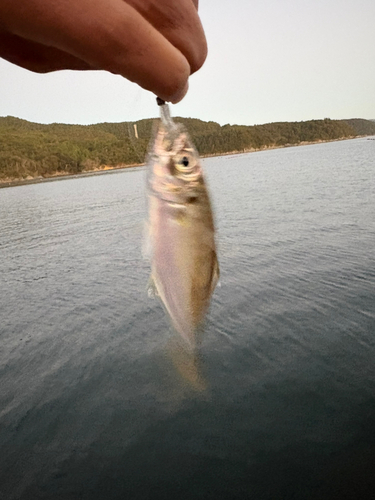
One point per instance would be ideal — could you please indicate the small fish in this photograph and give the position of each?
(184, 266)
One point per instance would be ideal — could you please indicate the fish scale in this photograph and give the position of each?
(184, 265)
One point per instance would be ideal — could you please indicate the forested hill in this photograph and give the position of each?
(30, 150)
(362, 127)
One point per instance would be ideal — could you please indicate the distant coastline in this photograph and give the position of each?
(111, 170)
(32, 153)
(66, 175)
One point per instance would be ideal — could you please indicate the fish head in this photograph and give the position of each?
(174, 161)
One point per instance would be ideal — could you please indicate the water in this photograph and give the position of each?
(96, 400)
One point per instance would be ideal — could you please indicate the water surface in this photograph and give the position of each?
(96, 399)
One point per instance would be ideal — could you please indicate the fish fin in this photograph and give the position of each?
(187, 363)
(152, 291)
(215, 274)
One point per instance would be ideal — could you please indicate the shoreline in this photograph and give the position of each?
(112, 170)
(66, 175)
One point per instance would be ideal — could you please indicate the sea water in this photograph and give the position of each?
(98, 401)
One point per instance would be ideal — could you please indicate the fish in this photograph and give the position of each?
(184, 263)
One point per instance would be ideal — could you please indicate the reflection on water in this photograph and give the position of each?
(98, 399)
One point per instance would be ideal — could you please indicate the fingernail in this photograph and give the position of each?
(178, 96)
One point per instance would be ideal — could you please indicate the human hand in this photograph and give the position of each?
(154, 43)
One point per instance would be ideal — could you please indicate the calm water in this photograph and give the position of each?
(98, 402)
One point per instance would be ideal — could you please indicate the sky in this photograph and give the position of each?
(268, 61)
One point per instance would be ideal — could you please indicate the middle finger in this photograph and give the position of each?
(179, 23)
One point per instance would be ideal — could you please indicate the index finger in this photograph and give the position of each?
(108, 35)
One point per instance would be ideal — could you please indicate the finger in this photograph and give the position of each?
(109, 35)
(37, 57)
(179, 22)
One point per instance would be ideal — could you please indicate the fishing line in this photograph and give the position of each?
(165, 115)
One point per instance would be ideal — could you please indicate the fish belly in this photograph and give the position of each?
(184, 264)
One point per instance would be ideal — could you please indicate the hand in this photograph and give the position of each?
(155, 43)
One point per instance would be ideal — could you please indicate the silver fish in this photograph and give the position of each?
(184, 266)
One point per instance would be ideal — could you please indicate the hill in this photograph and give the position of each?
(31, 150)
(362, 127)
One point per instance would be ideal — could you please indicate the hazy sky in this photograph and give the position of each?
(269, 60)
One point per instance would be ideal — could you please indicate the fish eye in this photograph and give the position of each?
(185, 164)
